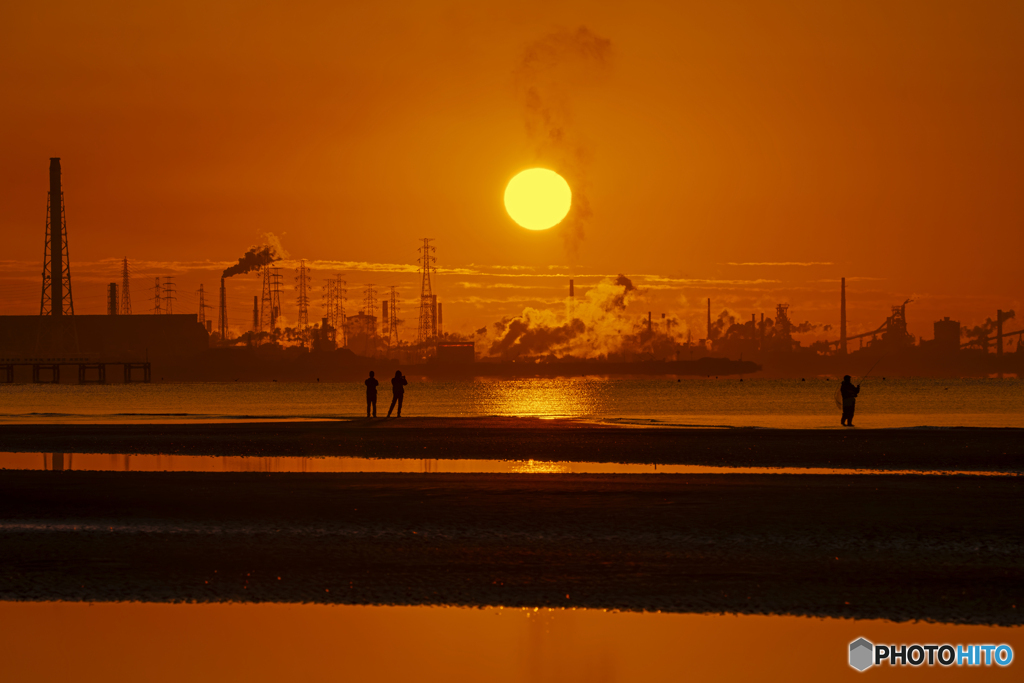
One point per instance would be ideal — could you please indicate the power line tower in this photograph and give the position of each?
(56, 296)
(391, 318)
(157, 294)
(126, 297)
(334, 292)
(370, 304)
(265, 321)
(275, 298)
(303, 300)
(170, 294)
(222, 321)
(201, 318)
(428, 324)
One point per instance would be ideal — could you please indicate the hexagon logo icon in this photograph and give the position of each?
(861, 652)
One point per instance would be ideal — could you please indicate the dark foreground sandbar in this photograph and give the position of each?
(525, 438)
(882, 546)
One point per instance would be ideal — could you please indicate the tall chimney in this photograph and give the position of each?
(56, 241)
(433, 315)
(709, 319)
(255, 313)
(439, 320)
(842, 318)
(648, 322)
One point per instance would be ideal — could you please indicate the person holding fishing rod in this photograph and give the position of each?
(849, 393)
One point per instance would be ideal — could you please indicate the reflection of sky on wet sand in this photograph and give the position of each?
(118, 462)
(114, 642)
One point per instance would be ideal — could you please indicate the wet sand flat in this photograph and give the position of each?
(526, 438)
(883, 546)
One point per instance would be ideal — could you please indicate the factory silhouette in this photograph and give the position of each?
(342, 346)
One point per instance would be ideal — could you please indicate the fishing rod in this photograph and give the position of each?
(838, 397)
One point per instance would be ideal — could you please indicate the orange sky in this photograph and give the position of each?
(881, 142)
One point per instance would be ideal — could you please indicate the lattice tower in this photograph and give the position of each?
(427, 261)
(126, 297)
(302, 279)
(275, 297)
(334, 292)
(392, 320)
(56, 296)
(201, 318)
(157, 295)
(170, 294)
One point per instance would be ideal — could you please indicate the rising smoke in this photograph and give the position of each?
(254, 259)
(599, 328)
(550, 72)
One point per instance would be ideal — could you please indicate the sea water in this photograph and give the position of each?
(883, 403)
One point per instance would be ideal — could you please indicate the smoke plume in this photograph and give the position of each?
(254, 259)
(550, 72)
(599, 327)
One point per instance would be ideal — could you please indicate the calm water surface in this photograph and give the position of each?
(120, 462)
(690, 402)
(114, 642)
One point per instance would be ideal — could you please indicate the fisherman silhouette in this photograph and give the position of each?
(849, 394)
(398, 383)
(371, 394)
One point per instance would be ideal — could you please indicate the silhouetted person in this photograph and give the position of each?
(849, 394)
(398, 383)
(371, 395)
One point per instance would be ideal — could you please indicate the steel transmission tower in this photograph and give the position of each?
(157, 293)
(170, 294)
(222, 321)
(201, 318)
(56, 296)
(126, 297)
(391, 318)
(265, 321)
(303, 300)
(334, 292)
(428, 325)
(275, 297)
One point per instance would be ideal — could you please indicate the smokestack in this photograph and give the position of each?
(709, 320)
(571, 292)
(56, 242)
(384, 312)
(433, 315)
(255, 313)
(112, 298)
(649, 329)
(842, 318)
(439, 318)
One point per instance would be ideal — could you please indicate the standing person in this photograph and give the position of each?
(398, 383)
(371, 394)
(849, 393)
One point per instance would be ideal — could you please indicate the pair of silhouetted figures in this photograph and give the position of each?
(398, 383)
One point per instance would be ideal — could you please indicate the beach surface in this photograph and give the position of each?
(899, 547)
(506, 438)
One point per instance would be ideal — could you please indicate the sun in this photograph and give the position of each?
(537, 198)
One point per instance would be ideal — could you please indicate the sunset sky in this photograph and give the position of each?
(753, 153)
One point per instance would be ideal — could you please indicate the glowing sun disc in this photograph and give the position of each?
(537, 198)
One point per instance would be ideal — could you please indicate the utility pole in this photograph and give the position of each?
(428, 323)
(126, 297)
(303, 300)
(266, 316)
